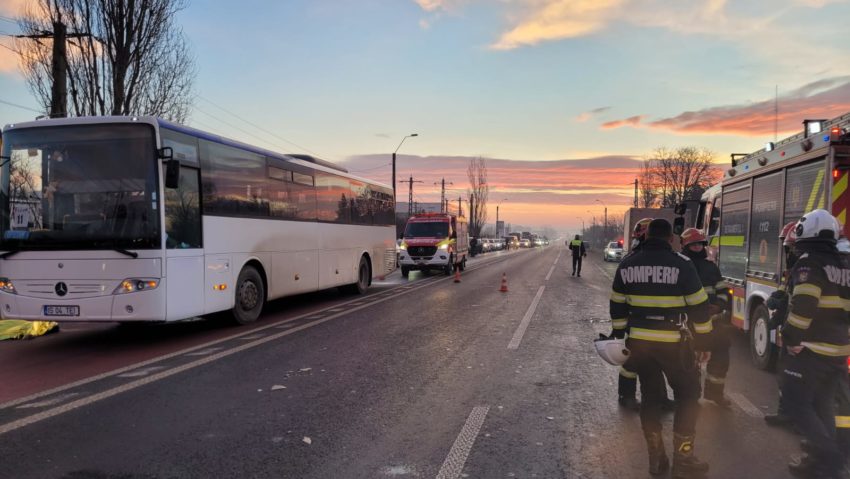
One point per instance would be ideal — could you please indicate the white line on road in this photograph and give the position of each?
(550, 272)
(141, 372)
(520, 330)
(26, 421)
(745, 405)
(48, 402)
(453, 465)
(556, 259)
(607, 274)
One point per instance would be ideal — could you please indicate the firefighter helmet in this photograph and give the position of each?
(691, 236)
(788, 234)
(818, 224)
(843, 245)
(641, 227)
(612, 350)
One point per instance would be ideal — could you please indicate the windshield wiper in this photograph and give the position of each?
(9, 253)
(131, 254)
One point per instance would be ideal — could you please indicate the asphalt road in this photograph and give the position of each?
(420, 378)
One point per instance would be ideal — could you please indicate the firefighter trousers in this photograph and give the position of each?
(718, 365)
(576, 264)
(842, 417)
(627, 382)
(809, 387)
(652, 361)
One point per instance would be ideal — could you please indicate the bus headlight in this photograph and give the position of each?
(6, 286)
(132, 285)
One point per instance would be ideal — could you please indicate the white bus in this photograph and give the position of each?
(140, 219)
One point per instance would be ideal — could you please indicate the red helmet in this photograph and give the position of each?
(691, 236)
(641, 227)
(788, 234)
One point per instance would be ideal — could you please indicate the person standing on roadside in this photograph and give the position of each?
(658, 300)
(579, 252)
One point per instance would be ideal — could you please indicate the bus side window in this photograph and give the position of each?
(183, 213)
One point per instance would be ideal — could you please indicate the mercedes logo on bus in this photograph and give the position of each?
(61, 289)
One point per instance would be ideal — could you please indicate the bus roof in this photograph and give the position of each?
(299, 159)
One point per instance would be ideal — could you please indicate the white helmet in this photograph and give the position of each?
(818, 224)
(843, 245)
(613, 351)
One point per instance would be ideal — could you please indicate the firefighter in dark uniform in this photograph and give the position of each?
(627, 377)
(816, 339)
(777, 303)
(693, 246)
(657, 298)
(577, 247)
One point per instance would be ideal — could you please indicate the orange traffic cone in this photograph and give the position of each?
(504, 287)
(457, 275)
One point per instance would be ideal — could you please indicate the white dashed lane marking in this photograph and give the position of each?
(453, 465)
(745, 405)
(520, 331)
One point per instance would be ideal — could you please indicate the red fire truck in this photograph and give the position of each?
(760, 193)
(434, 241)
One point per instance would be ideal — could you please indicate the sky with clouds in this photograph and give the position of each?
(529, 84)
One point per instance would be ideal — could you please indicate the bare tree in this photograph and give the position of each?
(670, 176)
(647, 185)
(478, 192)
(136, 60)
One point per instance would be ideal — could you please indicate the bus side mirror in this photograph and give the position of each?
(680, 209)
(678, 225)
(172, 174)
(166, 153)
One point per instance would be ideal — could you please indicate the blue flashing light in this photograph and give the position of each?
(746, 167)
(826, 138)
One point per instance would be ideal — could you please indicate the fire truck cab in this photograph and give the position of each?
(434, 241)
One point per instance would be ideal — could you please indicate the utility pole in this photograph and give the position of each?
(443, 196)
(59, 66)
(459, 206)
(410, 195)
(473, 226)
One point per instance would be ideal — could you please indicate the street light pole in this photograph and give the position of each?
(394, 152)
(605, 227)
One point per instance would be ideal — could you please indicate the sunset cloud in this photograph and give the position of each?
(821, 99)
(537, 192)
(630, 121)
(590, 114)
(559, 19)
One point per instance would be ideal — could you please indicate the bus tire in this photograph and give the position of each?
(763, 352)
(250, 296)
(364, 274)
(405, 271)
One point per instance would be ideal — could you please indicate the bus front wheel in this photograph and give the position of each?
(762, 350)
(250, 295)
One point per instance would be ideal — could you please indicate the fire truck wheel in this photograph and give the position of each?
(763, 352)
(405, 271)
(450, 266)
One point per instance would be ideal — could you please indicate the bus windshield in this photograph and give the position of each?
(79, 187)
(435, 229)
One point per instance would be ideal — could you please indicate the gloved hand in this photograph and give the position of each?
(777, 300)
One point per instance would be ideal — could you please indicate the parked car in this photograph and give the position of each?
(613, 252)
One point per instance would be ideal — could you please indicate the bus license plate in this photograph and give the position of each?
(61, 310)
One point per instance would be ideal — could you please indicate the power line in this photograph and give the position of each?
(8, 19)
(20, 106)
(267, 142)
(259, 127)
(371, 169)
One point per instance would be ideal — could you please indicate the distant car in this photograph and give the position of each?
(525, 243)
(613, 252)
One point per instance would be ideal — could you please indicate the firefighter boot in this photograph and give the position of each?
(806, 466)
(658, 461)
(685, 464)
(713, 391)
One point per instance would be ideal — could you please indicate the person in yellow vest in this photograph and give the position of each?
(577, 248)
